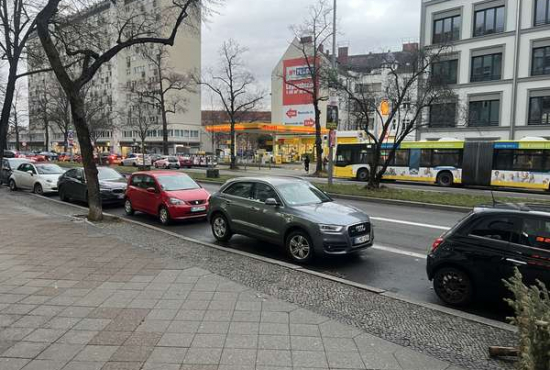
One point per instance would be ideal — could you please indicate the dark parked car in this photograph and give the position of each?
(72, 185)
(471, 259)
(289, 212)
(10, 154)
(8, 166)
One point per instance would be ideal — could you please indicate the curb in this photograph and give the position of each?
(399, 297)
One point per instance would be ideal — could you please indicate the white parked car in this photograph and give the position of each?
(39, 177)
(136, 160)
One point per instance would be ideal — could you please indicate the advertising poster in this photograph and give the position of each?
(297, 103)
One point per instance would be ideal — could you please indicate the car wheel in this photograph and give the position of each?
(363, 174)
(13, 186)
(299, 247)
(38, 189)
(63, 196)
(453, 286)
(164, 216)
(445, 179)
(128, 207)
(220, 228)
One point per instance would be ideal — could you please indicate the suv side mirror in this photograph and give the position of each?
(151, 190)
(271, 202)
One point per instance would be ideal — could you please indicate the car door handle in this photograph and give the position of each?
(516, 262)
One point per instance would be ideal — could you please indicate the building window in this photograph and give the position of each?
(446, 29)
(484, 113)
(443, 115)
(539, 110)
(445, 72)
(542, 12)
(486, 67)
(488, 21)
(541, 61)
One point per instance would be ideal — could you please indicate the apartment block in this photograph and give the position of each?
(497, 60)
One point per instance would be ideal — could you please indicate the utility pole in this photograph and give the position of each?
(331, 134)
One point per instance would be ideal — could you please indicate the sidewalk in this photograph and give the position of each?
(75, 296)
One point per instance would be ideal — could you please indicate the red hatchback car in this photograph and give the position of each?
(168, 195)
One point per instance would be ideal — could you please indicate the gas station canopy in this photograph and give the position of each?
(264, 128)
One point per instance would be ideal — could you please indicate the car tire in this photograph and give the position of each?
(220, 228)
(445, 179)
(453, 286)
(38, 189)
(13, 185)
(164, 216)
(299, 247)
(363, 174)
(62, 195)
(128, 207)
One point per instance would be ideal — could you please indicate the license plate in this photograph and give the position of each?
(121, 196)
(361, 239)
(198, 209)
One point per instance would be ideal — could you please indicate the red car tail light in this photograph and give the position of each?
(437, 243)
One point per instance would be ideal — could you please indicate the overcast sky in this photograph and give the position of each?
(263, 27)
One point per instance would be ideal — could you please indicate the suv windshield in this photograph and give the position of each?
(302, 193)
(177, 182)
(49, 169)
(108, 174)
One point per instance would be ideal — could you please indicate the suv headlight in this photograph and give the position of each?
(330, 229)
(176, 202)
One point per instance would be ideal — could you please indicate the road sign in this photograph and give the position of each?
(24, 143)
(332, 138)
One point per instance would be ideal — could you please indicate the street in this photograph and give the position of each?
(396, 263)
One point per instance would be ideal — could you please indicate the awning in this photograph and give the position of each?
(259, 127)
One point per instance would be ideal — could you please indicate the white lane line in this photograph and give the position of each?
(399, 251)
(410, 223)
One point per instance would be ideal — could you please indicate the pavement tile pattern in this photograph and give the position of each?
(113, 296)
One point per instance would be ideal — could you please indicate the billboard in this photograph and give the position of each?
(297, 103)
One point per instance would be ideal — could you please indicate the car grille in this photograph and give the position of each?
(359, 229)
(118, 191)
(197, 202)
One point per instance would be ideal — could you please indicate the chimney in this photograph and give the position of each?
(343, 55)
(306, 40)
(410, 47)
(321, 48)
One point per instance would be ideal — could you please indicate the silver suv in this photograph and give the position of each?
(290, 212)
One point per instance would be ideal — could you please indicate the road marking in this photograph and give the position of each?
(399, 251)
(410, 223)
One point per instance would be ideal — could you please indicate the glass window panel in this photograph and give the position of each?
(541, 12)
(447, 25)
(479, 22)
(456, 28)
(499, 26)
(495, 113)
(490, 21)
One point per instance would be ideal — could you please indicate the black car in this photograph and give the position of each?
(470, 261)
(9, 154)
(8, 165)
(72, 185)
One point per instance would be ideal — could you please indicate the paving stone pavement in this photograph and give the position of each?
(72, 296)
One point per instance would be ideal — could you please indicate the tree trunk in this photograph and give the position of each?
(233, 164)
(65, 141)
(16, 131)
(374, 177)
(163, 112)
(318, 139)
(6, 111)
(46, 133)
(95, 212)
(143, 152)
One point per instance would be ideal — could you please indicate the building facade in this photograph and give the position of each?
(110, 90)
(498, 65)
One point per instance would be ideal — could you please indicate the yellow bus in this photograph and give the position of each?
(519, 164)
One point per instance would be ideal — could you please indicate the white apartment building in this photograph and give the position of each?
(499, 67)
(110, 87)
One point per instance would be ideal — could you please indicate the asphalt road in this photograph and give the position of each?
(395, 263)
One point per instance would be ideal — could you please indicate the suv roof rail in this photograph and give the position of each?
(525, 207)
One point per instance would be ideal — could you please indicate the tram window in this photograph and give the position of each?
(529, 160)
(503, 160)
(426, 158)
(401, 158)
(446, 157)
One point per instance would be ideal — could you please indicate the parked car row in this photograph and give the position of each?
(466, 263)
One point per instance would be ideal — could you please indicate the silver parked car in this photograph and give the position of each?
(290, 212)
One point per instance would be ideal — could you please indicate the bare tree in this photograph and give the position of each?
(407, 91)
(60, 113)
(42, 108)
(18, 116)
(142, 114)
(77, 30)
(17, 23)
(311, 37)
(100, 118)
(165, 88)
(234, 86)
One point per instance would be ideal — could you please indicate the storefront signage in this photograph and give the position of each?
(297, 93)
